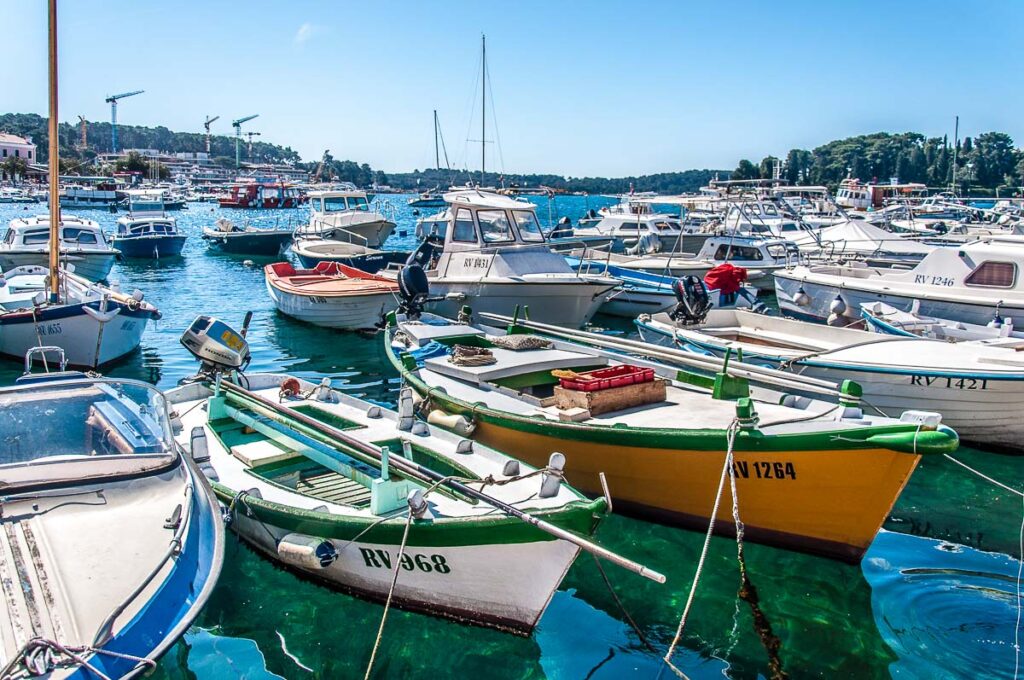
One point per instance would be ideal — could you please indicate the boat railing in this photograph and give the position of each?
(316, 227)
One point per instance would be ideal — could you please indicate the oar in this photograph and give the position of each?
(751, 371)
(428, 476)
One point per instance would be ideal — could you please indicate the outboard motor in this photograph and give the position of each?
(563, 229)
(426, 253)
(413, 289)
(217, 346)
(693, 304)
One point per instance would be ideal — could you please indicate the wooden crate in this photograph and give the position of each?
(613, 399)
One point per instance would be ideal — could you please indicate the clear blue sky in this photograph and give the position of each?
(597, 88)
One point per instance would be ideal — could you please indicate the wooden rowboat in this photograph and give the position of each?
(331, 295)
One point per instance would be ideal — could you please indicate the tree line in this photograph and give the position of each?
(986, 164)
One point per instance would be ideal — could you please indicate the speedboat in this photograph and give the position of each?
(113, 539)
(83, 245)
(347, 215)
(147, 231)
(496, 258)
(93, 324)
(973, 284)
(977, 388)
(331, 295)
(229, 237)
(427, 199)
(817, 475)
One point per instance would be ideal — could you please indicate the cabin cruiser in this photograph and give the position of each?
(82, 245)
(348, 215)
(974, 283)
(495, 258)
(147, 231)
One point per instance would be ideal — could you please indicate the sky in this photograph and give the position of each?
(599, 88)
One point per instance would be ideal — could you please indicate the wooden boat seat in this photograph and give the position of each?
(511, 363)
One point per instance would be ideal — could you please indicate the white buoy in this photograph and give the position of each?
(801, 299)
(838, 306)
(550, 483)
(307, 551)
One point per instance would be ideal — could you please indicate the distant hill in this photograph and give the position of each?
(662, 183)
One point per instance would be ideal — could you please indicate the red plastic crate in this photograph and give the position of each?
(606, 378)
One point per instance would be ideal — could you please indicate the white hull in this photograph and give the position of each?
(92, 266)
(507, 586)
(367, 228)
(565, 304)
(352, 312)
(822, 294)
(86, 341)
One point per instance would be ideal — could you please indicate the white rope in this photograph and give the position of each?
(1020, 572)
(730, 439)
(984, 476)
(391, 592)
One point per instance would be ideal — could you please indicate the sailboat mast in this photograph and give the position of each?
(437, 154)
(54, 162)
(956, 145)
(483, 108)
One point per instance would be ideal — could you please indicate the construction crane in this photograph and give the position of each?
(209, 121)
(250, 135)
(112, 100)
(82, 128)
(320, 168)
(237, 124)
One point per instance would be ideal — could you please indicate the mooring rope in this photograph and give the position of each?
(391, 592)
(37, 657)
(984, 476)
(730, 440)
(622, 607)
(1020, 572)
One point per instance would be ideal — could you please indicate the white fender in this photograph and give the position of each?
(308, 552)
(460, 425)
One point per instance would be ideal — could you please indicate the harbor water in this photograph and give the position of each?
(937, 595)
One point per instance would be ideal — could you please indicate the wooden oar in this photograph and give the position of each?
(427, 476)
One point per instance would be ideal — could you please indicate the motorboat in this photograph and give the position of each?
(496, 258)
(639, 232)
(113, 539)
(427, 199)
(229, 237)
(860, 240)
(344, 491)
(97, 193)
(817, 475)
(261, 196)
(999, 332)
(83, 246)
(331, 295)
(973, 284)
(147, 231)
(977, 389)
(312, 252)
(13, 195)
(348, 215)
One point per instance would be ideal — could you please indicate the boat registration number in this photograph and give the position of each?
(949, 382)
(762, 469)
(317, 300)
(934, 280)
(381, 559)
(50, 328)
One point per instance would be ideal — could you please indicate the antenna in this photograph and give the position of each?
(237, 124)
(112, 100)
(206, 124)
(483, 108)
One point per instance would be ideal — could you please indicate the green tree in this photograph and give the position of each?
(767, 168)
(745, 170)
(14, 168)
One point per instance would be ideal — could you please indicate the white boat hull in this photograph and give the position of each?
(565, 304)
(507, 586)
(94, 266)
(350, 312)
(87, 342)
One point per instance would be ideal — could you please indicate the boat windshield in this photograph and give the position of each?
(146, 206)
(76, 235)
(36, 236)
(84, 419)
(529, 228)
(494, 226)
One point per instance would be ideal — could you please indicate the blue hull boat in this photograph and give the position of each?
(111, 532)
(150, 247)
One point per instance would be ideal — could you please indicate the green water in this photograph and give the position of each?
(935, 596)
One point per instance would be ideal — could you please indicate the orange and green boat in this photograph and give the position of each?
(813, 475)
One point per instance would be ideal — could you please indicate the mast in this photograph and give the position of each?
(956, 145)
(54, 147)
(437, 154)
(483, 108)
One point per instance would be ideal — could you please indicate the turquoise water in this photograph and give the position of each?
(936, 596)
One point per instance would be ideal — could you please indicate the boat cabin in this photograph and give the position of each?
(856, 195)
(34, 233)
(326, 202)
(261, 195)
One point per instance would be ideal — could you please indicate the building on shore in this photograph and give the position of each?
(13, 146)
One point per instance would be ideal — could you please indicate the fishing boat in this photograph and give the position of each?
(113, 537)
(973, 284)
(330, 295)
(495, 255)
(977, 389)
(229, 237)
(347, 215)
(811, 474)
(312, 252)
(147, 231)
(368, 500)
(261, 196)
(83, 246)
(883, 318)
(644, 293)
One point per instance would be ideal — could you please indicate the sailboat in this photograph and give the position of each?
(92, 323)
(432, 198)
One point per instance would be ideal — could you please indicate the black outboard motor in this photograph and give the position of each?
(413, 289)
(563, 229)
(426, 252)
(693, 304)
